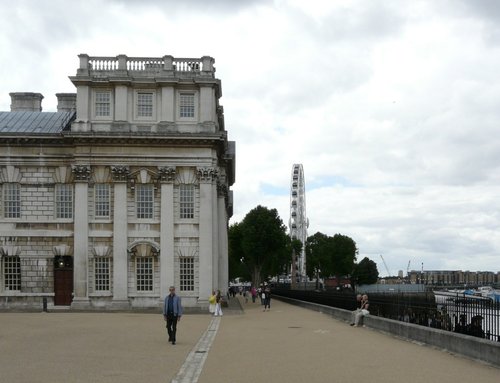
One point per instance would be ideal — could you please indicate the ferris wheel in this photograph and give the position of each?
(298, 222)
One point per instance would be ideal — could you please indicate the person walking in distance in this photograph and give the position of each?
(172, 312)
(212, 301)
(218, 310)
(267, 298)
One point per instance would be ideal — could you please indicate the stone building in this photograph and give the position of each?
(119, 194)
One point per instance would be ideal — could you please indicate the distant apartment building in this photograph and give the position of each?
(453, 277)
(122, 192)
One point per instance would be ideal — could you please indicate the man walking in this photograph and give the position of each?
(172, 312)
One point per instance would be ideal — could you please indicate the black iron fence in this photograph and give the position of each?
(460, 313)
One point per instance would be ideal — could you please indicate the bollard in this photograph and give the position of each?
(44, 304)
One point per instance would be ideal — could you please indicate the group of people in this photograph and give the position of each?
(215, 301)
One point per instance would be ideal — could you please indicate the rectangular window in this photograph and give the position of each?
(64, 201)
(186, 193)
(144, 273)
(101, 200)
(187, 274)
(12, 200)
(101, 273)
(186, 104)
(144, 196)
(103, 104)
(12, 273)
(144, 104)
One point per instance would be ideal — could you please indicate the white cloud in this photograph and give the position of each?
(391, 108)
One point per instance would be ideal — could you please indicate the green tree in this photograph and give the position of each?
(365, 272)
(260, 243)
(318, 255)
(344, 254)
(237, 269)
(328, 256)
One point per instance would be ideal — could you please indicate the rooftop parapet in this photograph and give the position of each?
(123, 65)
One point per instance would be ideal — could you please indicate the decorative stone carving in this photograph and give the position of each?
(62, 250)
(166, 174)
(81, 172)
(222, 190)
(120, 173)
(207, 174)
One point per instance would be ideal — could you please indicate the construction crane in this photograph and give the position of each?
(385, 264)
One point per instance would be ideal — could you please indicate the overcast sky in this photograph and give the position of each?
(392, 107)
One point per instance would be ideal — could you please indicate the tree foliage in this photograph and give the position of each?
(329, 256)
(365, 272)
(259, 245)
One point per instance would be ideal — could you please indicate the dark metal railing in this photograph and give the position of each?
(474, 316)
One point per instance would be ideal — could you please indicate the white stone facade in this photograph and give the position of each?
(107, 207)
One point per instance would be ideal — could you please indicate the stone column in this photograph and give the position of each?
(81, 174)
(206, 177)
(120, 176)
(121, 103)
(167, 111)
(215, 238)
(223, 241)
(207, 104)
(166, 178)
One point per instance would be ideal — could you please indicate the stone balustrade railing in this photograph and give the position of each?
(204, 64)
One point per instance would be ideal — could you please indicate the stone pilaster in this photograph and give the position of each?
(223, 264)
(120, 175)
(166, 178)
(81, 174)
(207, 178)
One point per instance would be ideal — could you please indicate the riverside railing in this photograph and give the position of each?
(462, 314)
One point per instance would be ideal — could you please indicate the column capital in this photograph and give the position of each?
(120, 173)
(222, 190)
(207, 175)
(166, 174)
(81, 173)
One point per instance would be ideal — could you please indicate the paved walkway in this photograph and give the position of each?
(286, 344)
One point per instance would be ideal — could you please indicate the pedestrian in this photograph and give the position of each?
(172, 312)
(254, 293)
(267, 299)
(218, 310)
(364, 310)
(212, 301)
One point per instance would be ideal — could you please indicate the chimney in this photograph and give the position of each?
(66, 102)
(26, 102)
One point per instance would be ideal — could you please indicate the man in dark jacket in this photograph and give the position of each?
(172, 312)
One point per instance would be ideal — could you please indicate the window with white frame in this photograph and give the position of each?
(12, 273)
(101, 201)
(101, 273)
(144, 267)
(144, 104)
(103, 103)
(11, 200)
(144, 198)
(64, 201)
(186, 105)
(187, 274)
(186, 196)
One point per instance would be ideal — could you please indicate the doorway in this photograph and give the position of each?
(63, 280)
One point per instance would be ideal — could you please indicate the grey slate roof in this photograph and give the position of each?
(34, 122)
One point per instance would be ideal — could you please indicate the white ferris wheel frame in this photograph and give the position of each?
(298, 222)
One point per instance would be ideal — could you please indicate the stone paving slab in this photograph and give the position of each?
(292, 344)
(286, 344)
(93, 347)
